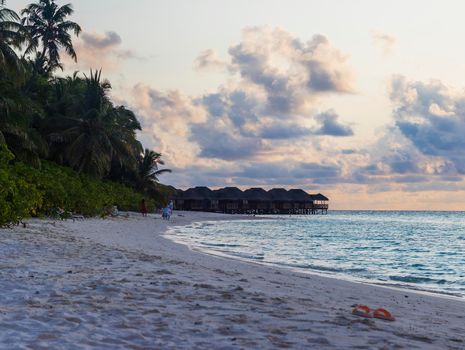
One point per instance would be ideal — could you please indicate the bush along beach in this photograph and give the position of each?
(64, 145)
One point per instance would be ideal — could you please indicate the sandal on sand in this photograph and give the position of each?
(362, 310)
(383, 314)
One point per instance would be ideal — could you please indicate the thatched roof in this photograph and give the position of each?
(256, 194)
(299, 195)
(279, 194)
(198, 193)
(229, 193)
(320, 197)
(177, 194)
(252, 194)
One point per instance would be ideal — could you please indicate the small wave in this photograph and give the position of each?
(315, 267)
(356, 270)
(224, 245)
(449, 292)
(448, 253)
(417, 265)
(319, 268)
(414, 279)
(371, 247)
(258, 256)
(335, 269)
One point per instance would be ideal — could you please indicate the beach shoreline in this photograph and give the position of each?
(127, 280)
(170, 234)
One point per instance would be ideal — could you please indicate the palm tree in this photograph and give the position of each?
(49, 29)
(148, 170)
(16, 114)
(11, 36)
(94, 134)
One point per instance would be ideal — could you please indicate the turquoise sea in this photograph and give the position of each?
(419, 250)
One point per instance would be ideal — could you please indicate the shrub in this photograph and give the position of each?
(28, 191)
(18, 198)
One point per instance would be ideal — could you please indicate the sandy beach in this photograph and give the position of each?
(119, 284)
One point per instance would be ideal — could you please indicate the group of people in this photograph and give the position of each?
(165, 212)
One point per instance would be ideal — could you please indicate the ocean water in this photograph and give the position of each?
(418, 250)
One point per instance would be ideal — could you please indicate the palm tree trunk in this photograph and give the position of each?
(40, 59)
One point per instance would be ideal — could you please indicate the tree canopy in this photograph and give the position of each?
(70, 121)
(49, 33)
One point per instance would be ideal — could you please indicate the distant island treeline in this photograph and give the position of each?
(253, 200)
(64, 145)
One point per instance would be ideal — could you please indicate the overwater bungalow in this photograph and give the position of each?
(253, 200)
(281, 200)
(301, 200)
(258, 200)
(195, 199)
(230, 200)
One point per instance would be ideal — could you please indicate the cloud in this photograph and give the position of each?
(99, 50)
(424, 148)
(101, 41)
(209, 59)
(167, 118)
(217, 142)
(349, 151)
(386, 42)
(264, 125)
(320, 173)
(411, 179)
(127, 55)
(402, 164)
(215, 104)
(436, 186)
(242, 108)
(276, 83)
(278, 173)
(331, 126)
(435, 109)
(290, 72)
(394, 159)
(432, 117)
(270, 124)
(284, 131)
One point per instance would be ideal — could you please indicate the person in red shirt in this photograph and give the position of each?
(143, 208)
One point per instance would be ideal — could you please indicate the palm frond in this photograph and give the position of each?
(49, 29)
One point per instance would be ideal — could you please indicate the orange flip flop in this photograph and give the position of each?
(362, 310)
(383, 314)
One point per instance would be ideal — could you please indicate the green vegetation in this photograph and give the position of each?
(18, 198)
(63, 143)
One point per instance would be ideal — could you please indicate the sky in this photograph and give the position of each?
(361, 100)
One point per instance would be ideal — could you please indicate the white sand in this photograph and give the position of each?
(118, 284)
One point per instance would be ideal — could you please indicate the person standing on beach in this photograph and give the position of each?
(166, 213)
(143, 208)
